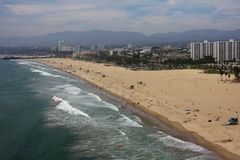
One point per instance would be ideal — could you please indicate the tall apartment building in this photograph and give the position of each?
(221, 50)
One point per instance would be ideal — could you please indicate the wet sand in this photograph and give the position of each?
(192, 102)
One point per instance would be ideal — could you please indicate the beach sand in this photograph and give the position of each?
(188, 100)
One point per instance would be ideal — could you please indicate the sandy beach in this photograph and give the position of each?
(188, 100)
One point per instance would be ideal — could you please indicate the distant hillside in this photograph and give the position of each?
(196, 35)
(95, 37)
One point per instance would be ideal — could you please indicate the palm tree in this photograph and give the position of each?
(229, 76)
(221, 73)
(225, 75)
(236, 71)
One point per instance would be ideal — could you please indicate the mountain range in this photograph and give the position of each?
(95, 37)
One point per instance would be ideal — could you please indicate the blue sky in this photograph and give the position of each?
(35, 17)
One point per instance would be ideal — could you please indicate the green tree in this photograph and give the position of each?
(236, 71)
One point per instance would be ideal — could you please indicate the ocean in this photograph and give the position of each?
(46, 114)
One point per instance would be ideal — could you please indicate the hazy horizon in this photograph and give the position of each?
(31, 18)
(44, 34)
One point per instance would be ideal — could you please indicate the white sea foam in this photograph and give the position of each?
(37, 65)
(197, 158)
(105, 104)
(94, 96)
(182, 145)
(45, 68)
(110, 106)
(40, 67)
(69, 89)
(43, 73)
(160, 132)
(24, 62)
(126, 121)
(65, 106)
(122, 133)
(136, 118)
(34, 64)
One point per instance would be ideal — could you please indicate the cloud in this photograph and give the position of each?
(30, 17)
(32, 9)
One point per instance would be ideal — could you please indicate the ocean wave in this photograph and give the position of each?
(45, 68)
(94, 96)
(40, 67)
(69, 89)
(104, 103)
(24, 62)
(197, 158)
(121, 132)
(126, 121)
(179, 144)
(137, 119)
(110, 106)
(47, 74)
(34, 64)
(37, 65)
(65, 106)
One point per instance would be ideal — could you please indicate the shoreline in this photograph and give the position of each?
(173, 128)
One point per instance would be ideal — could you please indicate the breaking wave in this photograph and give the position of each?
(102, 103)
(94, 96)
(137, 119)
(121, 132)
(110, 106)
(65, 106)
(128, 122)
(197, 158)
(47, 74)
(69, 89)
(179, 144)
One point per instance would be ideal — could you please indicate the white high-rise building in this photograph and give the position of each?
(60, 45)
(196, 50)
(237, 50)
(221, 50)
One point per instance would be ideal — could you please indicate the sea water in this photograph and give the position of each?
(46, 114)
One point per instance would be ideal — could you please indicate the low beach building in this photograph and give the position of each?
(84, 54)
